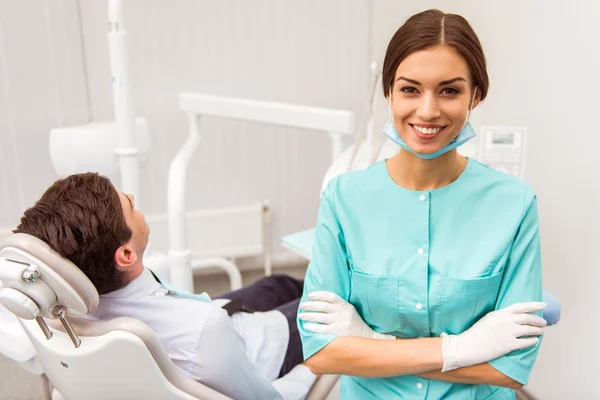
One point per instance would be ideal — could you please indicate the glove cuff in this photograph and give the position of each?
(450, 352)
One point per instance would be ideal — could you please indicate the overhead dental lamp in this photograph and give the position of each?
(93, 147)
(116, 148)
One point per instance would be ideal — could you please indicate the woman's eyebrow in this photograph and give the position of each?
(449, 81)
(408, 80)
(442, 83)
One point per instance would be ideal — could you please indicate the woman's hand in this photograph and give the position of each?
(495, 335)
(335, 316)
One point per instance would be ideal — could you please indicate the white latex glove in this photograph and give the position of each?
(335, 316)
(495, 335)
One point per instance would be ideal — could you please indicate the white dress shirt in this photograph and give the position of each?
(239, 356)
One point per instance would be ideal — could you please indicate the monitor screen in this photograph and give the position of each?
(503, 138)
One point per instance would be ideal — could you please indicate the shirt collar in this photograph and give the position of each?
(143, 285)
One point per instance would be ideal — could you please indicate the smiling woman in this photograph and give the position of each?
(429, 116)
(409, 249)
(429, 105)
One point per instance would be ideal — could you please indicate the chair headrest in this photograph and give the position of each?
(33, 276)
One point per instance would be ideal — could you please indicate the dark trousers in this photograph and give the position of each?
(275, 292)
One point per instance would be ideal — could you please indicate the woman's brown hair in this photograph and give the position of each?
(430, 28)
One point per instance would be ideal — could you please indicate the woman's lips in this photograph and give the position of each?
(426, 136)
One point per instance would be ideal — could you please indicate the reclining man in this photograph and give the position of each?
(248, 355)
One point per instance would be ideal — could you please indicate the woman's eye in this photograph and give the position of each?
(450, 91)
(409, 89)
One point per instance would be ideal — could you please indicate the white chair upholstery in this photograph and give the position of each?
(115, 359)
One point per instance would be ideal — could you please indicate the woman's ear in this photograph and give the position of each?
(388, 97)
(476, 98)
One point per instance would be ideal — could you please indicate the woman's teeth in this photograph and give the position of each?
(427, 131)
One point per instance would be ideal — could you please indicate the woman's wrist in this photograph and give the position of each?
(433, 357)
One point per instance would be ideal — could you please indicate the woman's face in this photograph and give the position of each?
(430, 98)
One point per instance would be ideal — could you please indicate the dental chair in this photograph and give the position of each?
(83, 359)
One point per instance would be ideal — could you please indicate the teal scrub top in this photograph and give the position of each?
(419, 263)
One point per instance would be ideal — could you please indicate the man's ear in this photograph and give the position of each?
(125, 257)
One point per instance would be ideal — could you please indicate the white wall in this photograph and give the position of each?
(311, 53)
(41, 86)
(544, 60)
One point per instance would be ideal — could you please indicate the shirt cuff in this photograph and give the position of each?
(295, 384)
(511, 369)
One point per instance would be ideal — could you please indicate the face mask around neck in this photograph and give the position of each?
(465, 134)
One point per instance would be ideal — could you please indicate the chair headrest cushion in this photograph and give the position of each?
(73, 289)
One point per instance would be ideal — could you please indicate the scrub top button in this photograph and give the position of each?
(419, 306)
(419, 385)
(422, 197)
(420, 251)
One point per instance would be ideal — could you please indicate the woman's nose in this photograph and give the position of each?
(428, 108)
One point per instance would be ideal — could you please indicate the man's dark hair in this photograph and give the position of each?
(81, 218)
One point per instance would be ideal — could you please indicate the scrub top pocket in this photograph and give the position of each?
(376, 298)
(485, 392)
(465, 301)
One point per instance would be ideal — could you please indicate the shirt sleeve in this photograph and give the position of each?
(295, 384)
(328, 268)
(224, 366)
(522, 281)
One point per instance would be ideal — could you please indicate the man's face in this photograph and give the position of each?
(136, 222)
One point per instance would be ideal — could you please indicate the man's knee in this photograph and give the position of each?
(281, 279)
